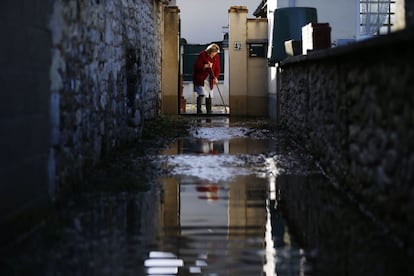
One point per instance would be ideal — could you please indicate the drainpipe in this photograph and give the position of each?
(292, 3)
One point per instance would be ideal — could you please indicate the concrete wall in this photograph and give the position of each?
(257, 69)
(79, 79)
(170, 61)
(399, 14)
(352, 107)
(247, 75)
(238, 60)
(404, 14)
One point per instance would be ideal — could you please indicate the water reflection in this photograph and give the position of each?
(277, 215)
(231, 200)
(162, 263)
(347, 241)
(218, 216)
(222, 222)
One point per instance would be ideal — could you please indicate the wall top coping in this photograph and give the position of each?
(173, 9)
(238, 9)
(257, 40)
(404, 38)
(257, 20)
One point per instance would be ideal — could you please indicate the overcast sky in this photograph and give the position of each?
(202, 20)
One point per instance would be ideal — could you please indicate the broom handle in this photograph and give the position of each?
(218, 88)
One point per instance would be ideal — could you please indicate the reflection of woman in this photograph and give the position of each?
(206, 71)
(210, 191)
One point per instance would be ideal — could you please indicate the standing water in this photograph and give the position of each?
(218, 198)
(232, 198)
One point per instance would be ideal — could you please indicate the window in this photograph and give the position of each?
(376, 17)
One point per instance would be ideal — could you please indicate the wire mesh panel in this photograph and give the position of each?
(376, 17)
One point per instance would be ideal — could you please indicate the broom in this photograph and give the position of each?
(221, 96)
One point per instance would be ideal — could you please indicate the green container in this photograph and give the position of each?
(287, 25)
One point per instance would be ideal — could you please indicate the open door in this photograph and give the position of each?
(188, 99)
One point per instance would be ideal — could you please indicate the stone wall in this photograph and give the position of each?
(352, 107)
(338, 239)
(79, 78)
(105, 78)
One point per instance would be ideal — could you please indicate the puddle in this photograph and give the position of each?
(233, 198)
(218, 190)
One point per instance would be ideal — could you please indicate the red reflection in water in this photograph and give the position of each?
(211, 191)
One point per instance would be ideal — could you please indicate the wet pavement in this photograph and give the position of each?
(234, 197)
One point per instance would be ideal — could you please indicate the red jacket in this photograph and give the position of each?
(200, 73)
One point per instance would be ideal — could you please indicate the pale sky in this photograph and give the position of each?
(202, 20)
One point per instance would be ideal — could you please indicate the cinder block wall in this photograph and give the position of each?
(78, 79)
(352, 107)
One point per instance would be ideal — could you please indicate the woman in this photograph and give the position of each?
(206, 71)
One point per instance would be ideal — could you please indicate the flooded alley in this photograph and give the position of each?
(231, 197)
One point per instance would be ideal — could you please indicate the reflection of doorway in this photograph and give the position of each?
(188, 56)
(237, 207)
(203, 205)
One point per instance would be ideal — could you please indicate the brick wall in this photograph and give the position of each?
(352, 107)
